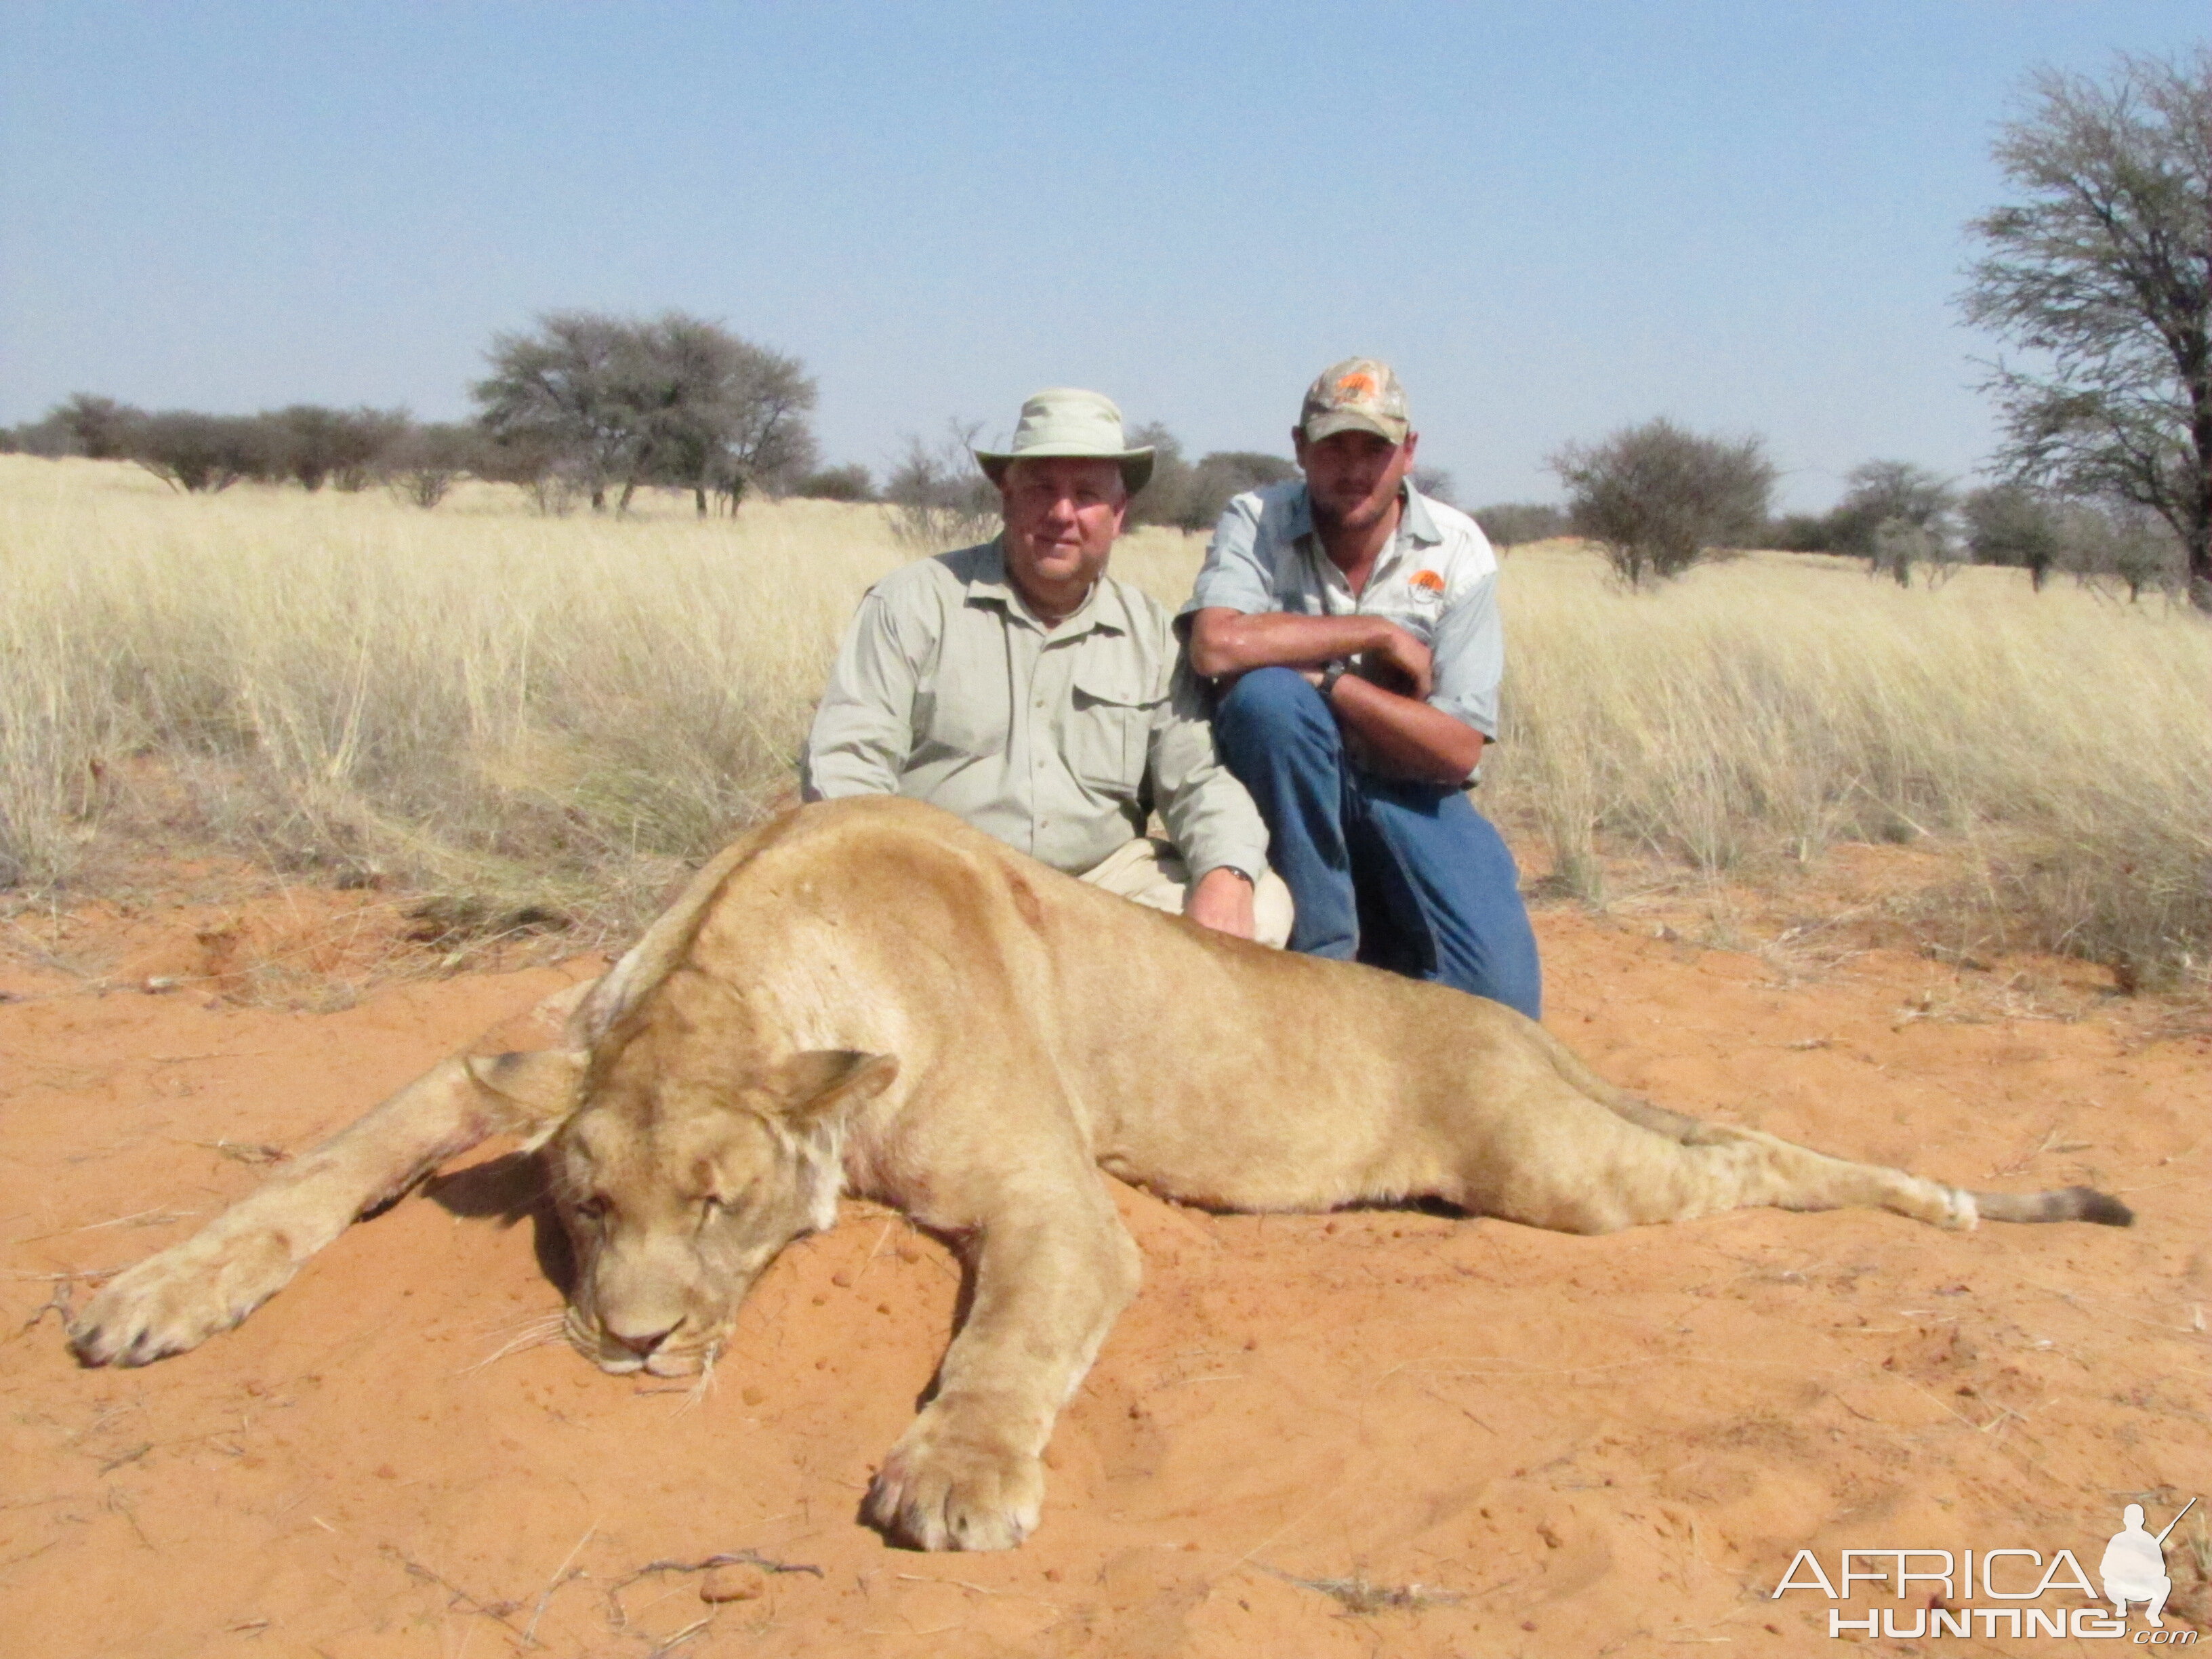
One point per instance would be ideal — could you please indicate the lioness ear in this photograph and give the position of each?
(538, 1091)
(815, 1082)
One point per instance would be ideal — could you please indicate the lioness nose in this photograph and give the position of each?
(644, 1344)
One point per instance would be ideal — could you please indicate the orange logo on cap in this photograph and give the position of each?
(1357, 384)
(1428, 580)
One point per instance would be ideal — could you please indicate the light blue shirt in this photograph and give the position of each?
(1437, 580)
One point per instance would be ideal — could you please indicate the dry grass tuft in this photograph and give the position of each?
(1360, 1597)
(543, 722)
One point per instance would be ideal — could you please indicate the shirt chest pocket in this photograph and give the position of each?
(1106, 729)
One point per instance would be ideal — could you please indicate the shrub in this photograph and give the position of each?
(1877, 493)
(837, 484)
(425, 464)
(195, 452)
(1657, 497)
(1512, 524)
(1801, 533)
(939, 497)
(313, 445)
(1224, 474)
(101, 426)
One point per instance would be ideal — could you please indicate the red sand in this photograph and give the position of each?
(1570, 1446)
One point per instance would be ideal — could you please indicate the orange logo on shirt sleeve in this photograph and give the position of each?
(1428, 581)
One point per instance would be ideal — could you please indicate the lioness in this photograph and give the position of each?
(869, 996)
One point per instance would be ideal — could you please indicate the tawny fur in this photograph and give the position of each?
(870, 997)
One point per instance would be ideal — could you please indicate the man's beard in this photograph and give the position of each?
(1327, 516)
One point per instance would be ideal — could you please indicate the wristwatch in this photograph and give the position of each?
(1237, 869)
(1330, 675)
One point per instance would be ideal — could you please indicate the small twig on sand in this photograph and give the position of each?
(620, 1620)
(140, 1219)
(57, 1301)
(2020, 1161)
(1356, 1596)
(246, 1152)
(495, 1611)
(681, 1638)
(109, 1464)
(561, 1576)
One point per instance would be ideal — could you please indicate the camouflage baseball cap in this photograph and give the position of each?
(1360, 394)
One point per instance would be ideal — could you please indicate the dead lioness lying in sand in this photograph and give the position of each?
(868, 996)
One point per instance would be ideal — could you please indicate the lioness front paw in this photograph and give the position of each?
(176, 1300)
(939, 1490)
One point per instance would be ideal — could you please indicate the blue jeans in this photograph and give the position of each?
(1405, 876)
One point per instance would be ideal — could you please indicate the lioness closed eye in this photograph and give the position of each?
(867, 996)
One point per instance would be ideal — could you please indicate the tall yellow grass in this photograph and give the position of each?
(570, 708)
(1778, 703)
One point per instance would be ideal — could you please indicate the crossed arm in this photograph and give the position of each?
(1403, 734)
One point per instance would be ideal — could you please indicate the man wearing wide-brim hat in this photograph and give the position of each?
(1351, 624)
(1017, 685)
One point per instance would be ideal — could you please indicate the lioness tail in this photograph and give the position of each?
(2060, 1204)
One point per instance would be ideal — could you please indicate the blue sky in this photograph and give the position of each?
(1555, 219)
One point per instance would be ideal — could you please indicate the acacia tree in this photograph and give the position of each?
(671, 400)
(2011, 524)
(1895, 515)
(758, 433)
(554, 392)
(1655, 497)
(2103, 275)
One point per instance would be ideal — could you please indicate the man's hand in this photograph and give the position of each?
(1399, 662)
(1400, 738)
(1222, 900)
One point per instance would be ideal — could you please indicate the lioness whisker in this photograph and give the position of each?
(534, 1333)
(699, 1391)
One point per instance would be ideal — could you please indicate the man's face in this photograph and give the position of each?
(1062, 516)
(1352, 477)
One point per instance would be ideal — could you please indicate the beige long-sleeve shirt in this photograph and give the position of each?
(1060, 740)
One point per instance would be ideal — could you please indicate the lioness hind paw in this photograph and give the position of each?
(957, 1497)
(171, 1302)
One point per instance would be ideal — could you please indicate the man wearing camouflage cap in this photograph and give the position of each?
(1019, 685)
(1351, 626)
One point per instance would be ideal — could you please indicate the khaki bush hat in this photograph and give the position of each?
(1077, 425)
(1360, 394)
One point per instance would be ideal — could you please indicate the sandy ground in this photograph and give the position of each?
(1360, 1434)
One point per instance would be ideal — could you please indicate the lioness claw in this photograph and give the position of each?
(173, 1302)
(947, 1495)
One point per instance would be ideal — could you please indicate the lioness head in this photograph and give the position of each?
(676, 1196)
